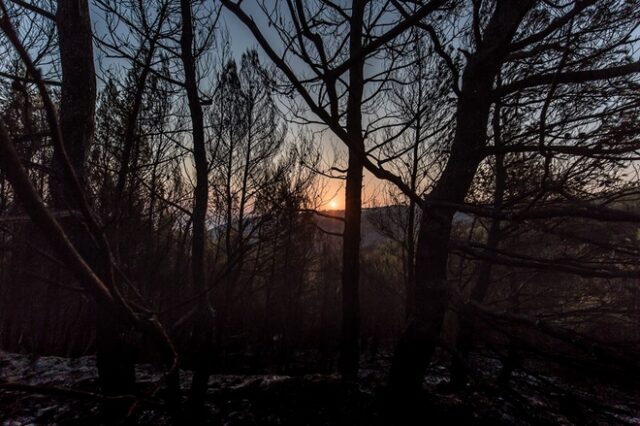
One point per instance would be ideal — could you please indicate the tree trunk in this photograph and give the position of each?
(77, 123)
(464, 339)
(203, 325)
(418, 342)
(78, 97)
(349, 342)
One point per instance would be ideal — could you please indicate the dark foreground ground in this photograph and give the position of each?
(63, 391)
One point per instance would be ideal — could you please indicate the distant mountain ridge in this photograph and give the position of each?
(371, 234)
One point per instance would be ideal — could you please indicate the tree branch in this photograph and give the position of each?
(568, 77)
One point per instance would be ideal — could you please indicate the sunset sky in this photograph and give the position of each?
(334, 152)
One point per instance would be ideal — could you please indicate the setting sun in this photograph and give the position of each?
(333, 204)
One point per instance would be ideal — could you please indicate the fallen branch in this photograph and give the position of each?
(73, 393)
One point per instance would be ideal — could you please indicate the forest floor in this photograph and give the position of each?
(61, 391)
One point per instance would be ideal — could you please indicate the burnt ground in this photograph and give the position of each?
(60, 391)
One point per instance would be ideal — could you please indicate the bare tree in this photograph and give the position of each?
(102, 285)
(498, 34)
(335, 88)
(204, 316)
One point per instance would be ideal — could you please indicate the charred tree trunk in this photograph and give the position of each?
(418, 342)
(203, 319)
(464, 339)
(78, 97)
(349, 342)
(77, 123)
(350, 335)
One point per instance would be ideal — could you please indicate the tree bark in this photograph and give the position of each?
(203, 319)
(78, 96)
(349, 342)
(464, 339)
(350, 335)
(77, 124)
